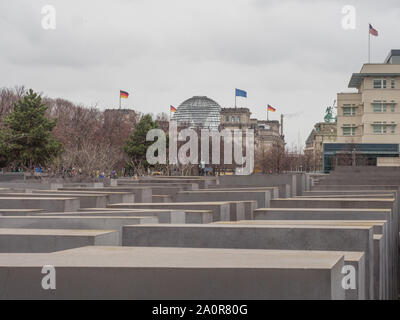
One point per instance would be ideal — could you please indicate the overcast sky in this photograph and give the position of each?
(292, 54)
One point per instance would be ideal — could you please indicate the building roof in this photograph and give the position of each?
(199, 112)
(310, 138)
(356, 78)
(392, 53)
(381, 69)
(247, 110)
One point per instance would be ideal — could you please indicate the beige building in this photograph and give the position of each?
(266, 133)
(323, 132)
(372, 114)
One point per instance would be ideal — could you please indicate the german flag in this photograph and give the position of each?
(172, 109)
(123, 94)
(272, 109)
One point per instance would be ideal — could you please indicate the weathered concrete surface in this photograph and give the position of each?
(157, 186)
(161, 198)
(335, 214)
(262, 197)
(175, 273)
(221, 210)
(273, 190)
(45, 240)
(381, 255)
(112, 196)
(45, 203)
(74, 223)
(350, 187)
(86, 200)
(203, 182)
(349, 203)
(355, 193)
(19, 212)
(283, 190)
(357, 203)
(168, 216)
(255, 180)
(142, 194)
(164, 216)
(294, 237)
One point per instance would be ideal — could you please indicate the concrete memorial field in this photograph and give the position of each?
(275, 236)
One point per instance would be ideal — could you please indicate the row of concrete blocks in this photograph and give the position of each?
(365, 178)
(381, 243)
(238, 237)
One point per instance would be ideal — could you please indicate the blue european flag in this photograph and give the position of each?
(241, 93)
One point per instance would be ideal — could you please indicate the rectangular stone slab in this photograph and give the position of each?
(356, 203)
(142, 194)
(221, 210)
(331, 214)
(274, 190)
(19, 212)
(112, 196)
(164, 216)
(262, 197)
(307, 237)
(381, 255)
(175, 273)
(51, 240)
(271, 180)
(86, 200)
(74, 223)
(47, 204)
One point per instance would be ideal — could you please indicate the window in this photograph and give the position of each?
(233, 118)
(392, 83)
(379, 83)
(349, 110)
(238, 119)
(392, 106)
(379, 106)
(227, 118)
(379, 127)
(349, 130)
(393, 128)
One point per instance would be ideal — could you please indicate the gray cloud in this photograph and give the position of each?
(291, 54)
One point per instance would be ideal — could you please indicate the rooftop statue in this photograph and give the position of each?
(328, 115)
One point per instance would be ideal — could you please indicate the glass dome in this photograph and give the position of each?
(198, 112)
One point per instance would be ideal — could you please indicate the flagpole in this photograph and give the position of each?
(120, 100)
(369, 45)
(267, 114)
(235, 98)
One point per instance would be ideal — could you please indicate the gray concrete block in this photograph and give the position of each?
(164, 216)
(161, 198)
(74, 223)
(307, 237)
(45, 240)
(262, 197)
(175, 273)
(19, 212)
(111, 196)
(221, 210)
(86, 200)
(142, 194)
(45, 203)
(381, 255)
